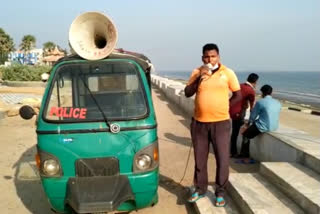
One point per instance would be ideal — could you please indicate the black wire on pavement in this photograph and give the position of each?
(185, 169)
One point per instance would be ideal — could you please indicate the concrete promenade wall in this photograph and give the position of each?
(285, 144)
(174, 91)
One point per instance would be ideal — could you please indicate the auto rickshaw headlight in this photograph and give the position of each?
(51, 167)
(147, 159)
(143, 161)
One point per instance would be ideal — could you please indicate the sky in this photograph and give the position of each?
(253, 35)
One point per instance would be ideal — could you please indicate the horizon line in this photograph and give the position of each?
(246, 70)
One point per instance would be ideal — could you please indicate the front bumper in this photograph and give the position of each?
(98, 194)
(132, 192)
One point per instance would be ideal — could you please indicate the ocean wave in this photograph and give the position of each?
(297, 93)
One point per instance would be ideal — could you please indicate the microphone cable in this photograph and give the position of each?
(189, 154)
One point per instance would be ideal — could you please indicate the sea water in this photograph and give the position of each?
(298, 87)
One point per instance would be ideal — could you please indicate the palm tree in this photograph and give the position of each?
(6, 42)
(48, 47)
(6, 45)
(28, 42)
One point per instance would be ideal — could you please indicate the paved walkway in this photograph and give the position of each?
(16, 98)
(302, 121)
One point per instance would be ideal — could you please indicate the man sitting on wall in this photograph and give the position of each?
(264, 117)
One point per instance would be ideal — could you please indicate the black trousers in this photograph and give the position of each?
(202, 134)
(250, 133)
(236, 124)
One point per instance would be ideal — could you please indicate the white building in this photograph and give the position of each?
(33, 57)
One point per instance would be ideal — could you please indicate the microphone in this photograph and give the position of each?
(210, 67)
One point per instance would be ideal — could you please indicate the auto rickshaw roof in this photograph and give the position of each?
(141, 59)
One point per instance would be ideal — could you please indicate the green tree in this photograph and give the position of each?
(28, 42)
(6, 46)
(48, 47)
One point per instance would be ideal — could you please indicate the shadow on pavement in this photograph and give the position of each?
(244, 168)
(28, 184)
(179, 190)
(186, 141)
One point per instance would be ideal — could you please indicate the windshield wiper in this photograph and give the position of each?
(96, 102)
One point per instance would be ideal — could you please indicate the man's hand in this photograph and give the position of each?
(236, 97)
(243, 128)
(205, 72)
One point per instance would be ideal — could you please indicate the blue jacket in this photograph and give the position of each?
(265, 114)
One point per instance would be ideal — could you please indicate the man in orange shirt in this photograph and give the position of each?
(211, 83)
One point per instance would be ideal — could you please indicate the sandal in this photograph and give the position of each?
(195, 197)
(220, 202)
(246, 161)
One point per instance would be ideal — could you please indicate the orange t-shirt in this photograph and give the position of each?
(212, 97)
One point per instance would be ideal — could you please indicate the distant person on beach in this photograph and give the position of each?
(238, 110)
(264, 117)
(211, 83)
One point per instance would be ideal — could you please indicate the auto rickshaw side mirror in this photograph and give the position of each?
(26, 112)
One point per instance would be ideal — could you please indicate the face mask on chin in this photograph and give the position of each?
(212, 67)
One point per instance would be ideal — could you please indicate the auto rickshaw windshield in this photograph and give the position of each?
(78, 91)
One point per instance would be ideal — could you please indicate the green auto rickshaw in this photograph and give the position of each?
(97, 145)
(97, 135)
